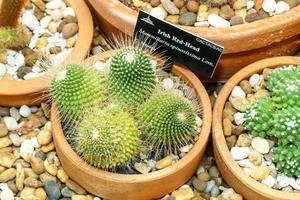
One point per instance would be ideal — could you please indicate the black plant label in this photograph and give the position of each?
(196, 53)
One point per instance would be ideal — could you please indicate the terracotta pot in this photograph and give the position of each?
(149, 186)
(244, 44)
(15, 92)
(231, 171)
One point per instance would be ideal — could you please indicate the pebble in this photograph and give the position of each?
(40, 193)
(69, 12)
(201, 24)
(255, 158)
(252, 17)
(79, 197)
(231, 141)
(24, 111)
(45, 21)
(6, 194)
(261, 145)
(51, 169)
(27, 193)
(294, 183)
(7, 175)
(170, 7)
(44, 137)
(239, 153)
(238, 92)
(217, 21)
(52, 190)
(236, 196)
(54, 4)
(226, 12)
(37, 165)
(32, 182)
(15, 139)
(158, 12)
(5, 142)
(7, 159)
(69, 30)
(238, 118)
(281, 7)
(142, 168)
(163, 163)
(26, 148)
(239, 4)
(245, 164)
(240, 103)
(260, 173)
(228, 193)
(66, 192)
(283, 181)
(29, 20)
(227, 127)
(199, 185)
(185, 193)
(250, 4)
(15, 113)
(62, 175)
(187, 19)
(215, 191)
(262, 93)
(209, 186)
(214, 172)
(56, 15)
(3, 129)
(243, 140)
(269, 5)
(11, 123)
(204, 176)
(269, 181)
(75, 187)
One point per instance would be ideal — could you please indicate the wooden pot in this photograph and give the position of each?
(14, 92)
(142, 186)
(231, 171)
(244, 44)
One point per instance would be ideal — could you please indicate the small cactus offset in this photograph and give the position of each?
(76, 89)
(284, 84)
(167, 121)
(258, 117)
(10, 12)
(132, 77)
(7, 36)
(287, 159)
(108, 138)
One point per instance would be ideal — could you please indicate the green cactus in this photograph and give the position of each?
(7, 35)
(132, 77)
(284, 84)
(167, 120)
(258, 118)
(76, 89)
(287, 159)
(108, 138)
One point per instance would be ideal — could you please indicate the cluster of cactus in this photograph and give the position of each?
(112, 113)
(12, 35)
(279, 117)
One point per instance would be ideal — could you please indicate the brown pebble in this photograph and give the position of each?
(231, 141)
(236, 20)
(38, 13)
(155, 3)
(246, 87)
(179, 3)
(227, 127)
(252, 17)
(266, 73)
(192, 6)
(226, 12)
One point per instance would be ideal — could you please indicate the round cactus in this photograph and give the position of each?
(287, 159)
(132, 77)
(76, 89)
(167, 120)
(284, 84)
(287, 126)
(108, 138)
(258, 118)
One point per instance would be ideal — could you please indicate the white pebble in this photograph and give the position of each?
(7, 194)
(209, 186)
(283, 181)
(228, 193)
(239, 153)
(56, 15)
(239, 118)
(168, 84)
(96, 198)
(2, 70)
(269, 6)
(298, 181)
(45, 21)
(238, 92)
(36, 69)
(281, 7)
(19, 60)
(29, 20)
(217, 21)
(202, 24)
(246, 163)
(158, 13)
(198, 121)
(34, 142)
(33, 41)
(294, 184)
(4, 186)
(247, 170)
(10, 60)
(24, 111)
(31, 75)
(254, 79)
(250, 4)
(26, 148)
(185, 149)
(11, 123)
(69, 12)
(48, 126)
(269, 181)
(55, 4)
(153, 64)
(261, 145)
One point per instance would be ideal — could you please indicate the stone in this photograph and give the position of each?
(52, 190)
(187, 19)
(269, 5)
(227, 127)
(199, 185)
(183, 193)
(245, 164)
(281, 7)
(158, 12)
(250, 4)
(172, 19)
(3, 129)
(238, 92)
(40, 4)
(54, 4)
(255, 157)
(178, 3)
(294, 183)
(202, 24)
(24, 111)
(261, 145)
(41, 43)
(209, 186)
(245, 86)
(214, 172)
(269, 181)
(239, 153)
(240, 103)
(239, 4)
(231, 141)
(27, 193)
(44, 137)
(163, 163)
(79, 197)
(202, 16)
(62, 176)
(6, 194)
(40, 193)
(217, 21)
(32, 182)
(20, 176)
(204, 176)
(262, 93)
(236, 196)
(55, 50)
(47, 148)
(215, 191)
(241, 12)
(44, 177)
(51, 169)
(29, 20)
(11, 123)
(142, 168)
(75, 187)
(239, 118)
(69, 11)
(170, 7)
(252, 17)
(37, 165)
(214, 11)
(26, 148)
(292, 3)
(228, 193)
(70, 42)
(12, 186)
(226, 12)
(7, 175)
(69, 30)
(260, 173)
(66, 192)
(192, 6)
(5, 142)
(266, 73)
(244, 140)
(15, 113)
(52, 27)
(7, 159)
(283, 181)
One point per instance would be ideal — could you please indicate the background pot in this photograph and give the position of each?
(230, 170)
(244, 44)
(148, 186)
(14, 92)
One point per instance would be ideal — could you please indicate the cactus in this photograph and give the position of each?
(132, 77)
(10, 12)
(284, 84)
(14, 38)
(287, 159)
(258, 117)
(76, 89)
(108, 138)
(167, 120)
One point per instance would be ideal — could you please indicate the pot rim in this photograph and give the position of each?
(254, 35)
(61, 142)
(78, 53)
(217, 128)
